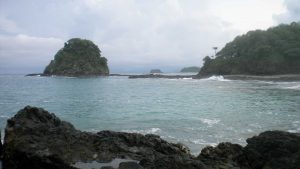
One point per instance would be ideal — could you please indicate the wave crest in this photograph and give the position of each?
(217, 78)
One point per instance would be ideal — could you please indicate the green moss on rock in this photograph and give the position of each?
(78, 57)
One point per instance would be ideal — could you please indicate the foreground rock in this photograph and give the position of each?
(274, 149)
(1, 148)
(35, 138)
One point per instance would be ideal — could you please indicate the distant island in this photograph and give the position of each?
(78, 57)
(271, 52)
(155, 71)
(190, 69)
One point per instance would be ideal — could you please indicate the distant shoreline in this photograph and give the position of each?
(282, 77)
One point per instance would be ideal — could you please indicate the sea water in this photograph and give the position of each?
(196, 113)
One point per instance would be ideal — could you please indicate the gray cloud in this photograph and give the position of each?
(135, 35)
(292, 13)
(24, 53)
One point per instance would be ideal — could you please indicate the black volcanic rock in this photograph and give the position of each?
(1, 148)
(274, 149)
(130, 165)
(224, 154)
(35, 138)
(78, 57)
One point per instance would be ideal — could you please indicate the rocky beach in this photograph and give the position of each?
(35, 138)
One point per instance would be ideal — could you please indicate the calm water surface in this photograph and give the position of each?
(194, 112)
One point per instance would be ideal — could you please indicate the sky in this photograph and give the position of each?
(134, 35)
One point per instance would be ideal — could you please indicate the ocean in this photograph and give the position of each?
(194, 112)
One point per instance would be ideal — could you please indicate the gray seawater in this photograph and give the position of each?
(194, 112)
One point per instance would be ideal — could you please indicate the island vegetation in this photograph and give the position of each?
(190, 69)
(78, 57)
(155, 71)
(270, 52)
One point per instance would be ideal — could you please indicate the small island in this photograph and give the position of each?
(191, 69)
(155, 71)
(78, 57)
(275, 51)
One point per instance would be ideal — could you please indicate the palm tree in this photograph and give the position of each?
(215, 48)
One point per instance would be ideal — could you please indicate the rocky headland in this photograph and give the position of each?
(78, 57)
(35, 138)
(274, 51)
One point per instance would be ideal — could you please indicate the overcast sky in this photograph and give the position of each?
(134, 35)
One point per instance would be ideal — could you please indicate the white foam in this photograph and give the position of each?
(94, 164)
(210, 122)
(217, 78)
(147, 131)
(294, 131)
(3, 116)
(297, 87)
(202, 142)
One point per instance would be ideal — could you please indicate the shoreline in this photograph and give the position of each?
(281, 77)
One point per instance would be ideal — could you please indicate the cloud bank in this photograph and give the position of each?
(135, 35)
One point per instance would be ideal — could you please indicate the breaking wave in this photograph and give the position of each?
(217, 78)
(147, 131)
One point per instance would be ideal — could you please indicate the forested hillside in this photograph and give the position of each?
(274, 51)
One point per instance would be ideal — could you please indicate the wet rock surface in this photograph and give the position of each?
(35, 138)
(274, 149)
(1, 148)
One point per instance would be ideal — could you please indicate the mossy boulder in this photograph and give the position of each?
(78, 57)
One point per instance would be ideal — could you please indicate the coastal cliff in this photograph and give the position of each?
(78, 57)
(35, 138)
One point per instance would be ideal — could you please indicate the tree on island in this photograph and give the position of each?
(270, 52)
(78, 57)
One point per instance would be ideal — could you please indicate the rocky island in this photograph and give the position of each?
(78, 57)
(191, 69)
(155, 71)
(35, 138)
(275, 51)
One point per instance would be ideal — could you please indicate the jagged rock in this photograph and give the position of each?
(130, 165)
(274, 150)
(107, 167)
(1, 148)
(174, 162)
(226, 155)
(34, 133)
(35, 138)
